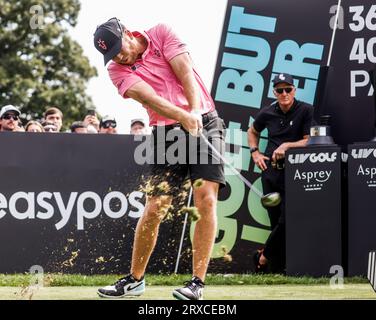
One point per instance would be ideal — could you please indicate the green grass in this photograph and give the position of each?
(159, 287)
(228, 293)
(76, 280)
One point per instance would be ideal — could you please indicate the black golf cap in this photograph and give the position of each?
(108, 39)
(283, 78)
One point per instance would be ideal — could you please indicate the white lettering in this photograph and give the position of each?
(82, 212)
(48, 214)
(65, 211)
(363, 153)
(313, 158)
(123, 205)
(45, 205)
(134, 201)
(310, 176)
(29, 213)
(366, 172)
(3, 205)
(359, 79)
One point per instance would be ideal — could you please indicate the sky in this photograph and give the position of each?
(198, 23)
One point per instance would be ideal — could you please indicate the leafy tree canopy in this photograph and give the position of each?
(40, 65)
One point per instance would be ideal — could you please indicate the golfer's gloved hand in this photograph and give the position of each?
(190, 123)
(198, 117)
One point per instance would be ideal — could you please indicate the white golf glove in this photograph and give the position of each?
(197, 114)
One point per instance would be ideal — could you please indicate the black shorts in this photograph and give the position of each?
(178, 156)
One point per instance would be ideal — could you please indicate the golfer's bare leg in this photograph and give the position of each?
(147, 233)
(205, 231)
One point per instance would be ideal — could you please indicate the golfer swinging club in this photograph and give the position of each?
(154, 68)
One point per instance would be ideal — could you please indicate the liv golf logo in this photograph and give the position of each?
(312, 180)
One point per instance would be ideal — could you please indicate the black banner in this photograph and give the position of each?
(349, 91)
(362, 207)
(70, 203)
(261, 38)
(313, 211)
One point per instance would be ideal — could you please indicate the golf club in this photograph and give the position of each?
(183, 231)
(272, 199)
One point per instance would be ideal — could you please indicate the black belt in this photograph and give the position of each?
(206, 117)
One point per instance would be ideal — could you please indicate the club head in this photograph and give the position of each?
(271, 200)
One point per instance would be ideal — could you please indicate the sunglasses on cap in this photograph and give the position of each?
(109, 124)
(287, 90)
(10, 116)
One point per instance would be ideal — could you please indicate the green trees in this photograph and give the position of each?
(40, 65)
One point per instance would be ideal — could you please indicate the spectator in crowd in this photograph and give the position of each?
(20, 127)
(79, 127)
(49, 126)
(108, 125)
(92, 122)
(34, 126)
(55, 116)
(138, 127)
(9, 117)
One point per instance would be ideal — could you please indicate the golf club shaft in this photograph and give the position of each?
(223, 159)
(183, 231)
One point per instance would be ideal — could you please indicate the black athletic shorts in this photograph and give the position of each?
(179, 157)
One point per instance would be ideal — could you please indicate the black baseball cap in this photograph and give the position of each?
(77, 124)
(107, 119)
(283, 78)
(108, 39)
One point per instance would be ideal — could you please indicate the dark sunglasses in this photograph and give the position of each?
(50, 129)
(9, 116)
(109, 124)
(287, 90)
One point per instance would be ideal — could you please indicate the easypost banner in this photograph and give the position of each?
(70, 203)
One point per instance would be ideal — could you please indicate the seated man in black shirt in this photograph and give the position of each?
(288, 122)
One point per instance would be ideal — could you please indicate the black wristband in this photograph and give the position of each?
(253, 149)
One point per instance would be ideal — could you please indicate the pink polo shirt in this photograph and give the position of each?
(154, 68)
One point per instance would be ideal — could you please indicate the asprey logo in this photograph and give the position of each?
(312, 157)
(369, 173)
(363, 153)
(45, 205)
(313, 180)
